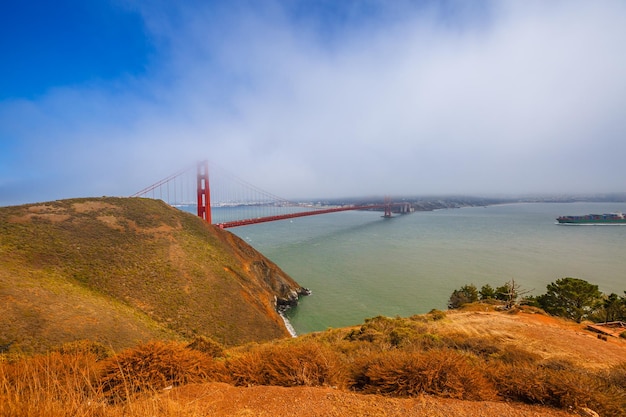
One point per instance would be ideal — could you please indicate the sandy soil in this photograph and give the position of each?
(218, 399)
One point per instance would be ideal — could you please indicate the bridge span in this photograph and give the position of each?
(245, 222)
(264, 201)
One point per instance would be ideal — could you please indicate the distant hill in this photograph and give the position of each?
(124, 270)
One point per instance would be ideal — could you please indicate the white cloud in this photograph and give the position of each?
(526, 98)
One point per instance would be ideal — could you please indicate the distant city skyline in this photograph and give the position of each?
(314, 99)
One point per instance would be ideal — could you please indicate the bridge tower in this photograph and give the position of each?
(387, 207)
(204, 192)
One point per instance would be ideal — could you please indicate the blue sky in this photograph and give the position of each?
(313, 98)
(47, 44)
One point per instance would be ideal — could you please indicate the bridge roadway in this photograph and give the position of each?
(245, 222)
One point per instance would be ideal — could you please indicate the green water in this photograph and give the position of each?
(359, 265)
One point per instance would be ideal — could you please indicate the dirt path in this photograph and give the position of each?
(216, 399)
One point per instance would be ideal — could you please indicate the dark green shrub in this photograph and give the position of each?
(572, 298)
(465, 295)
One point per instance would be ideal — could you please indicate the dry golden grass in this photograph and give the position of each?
(49, 385)
(569, 388)
(288, 365)
(152, 367)
(445, 373)
(344, 371)
(463, 364)
(542, 337)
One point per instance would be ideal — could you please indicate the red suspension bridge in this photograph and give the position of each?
(230, 202)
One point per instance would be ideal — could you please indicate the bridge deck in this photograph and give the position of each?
(245, 222)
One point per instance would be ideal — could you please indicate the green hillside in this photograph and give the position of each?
(124, 270)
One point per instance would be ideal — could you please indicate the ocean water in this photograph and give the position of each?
(360, 265)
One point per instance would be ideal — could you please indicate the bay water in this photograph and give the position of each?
(359, 265)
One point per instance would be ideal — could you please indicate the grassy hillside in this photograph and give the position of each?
(124, 270)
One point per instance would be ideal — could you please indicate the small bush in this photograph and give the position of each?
(386, 333)
(401, 336)
(208, 346)
(435, 314)
(444, 373)
(300, 364)
(153, 366)
(565, 389)
(368, 335)
(616, 376)
(85, 346)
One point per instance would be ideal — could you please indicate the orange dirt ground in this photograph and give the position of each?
(217, 399)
